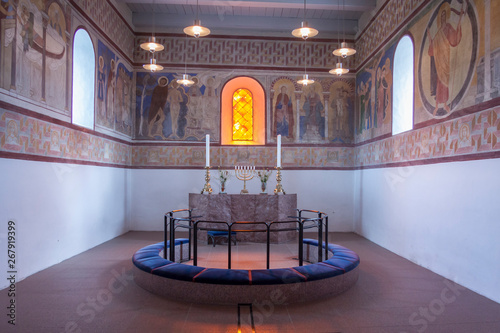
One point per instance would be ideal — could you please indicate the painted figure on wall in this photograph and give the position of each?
(195, 105)
(440, 45)
(450, 42)
(364, 105)
(56, 64)
(110, 93)
(340, 113)
(123, 97)
(12, 137)
(312, 120)
(283, 114)
(174, 99)
(8, 32)
(101, 83)
(384, 93)
(156, 110)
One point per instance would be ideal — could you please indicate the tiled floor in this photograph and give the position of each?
(95, 292)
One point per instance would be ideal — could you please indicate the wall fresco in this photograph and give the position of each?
(374, 97)
(114, 91)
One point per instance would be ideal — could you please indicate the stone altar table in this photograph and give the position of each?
(247, 207)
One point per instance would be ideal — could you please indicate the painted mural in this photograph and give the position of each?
(322, 112)
(374, 97)
(34, 51)
(168, 111)
(114, 91)
(448, 53)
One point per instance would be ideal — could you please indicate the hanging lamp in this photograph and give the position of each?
(305, 78)
(338, 70)
(152, 45)
(197, 30)
(152, 66)
(186, 78)
(344, 50)
(304, 31)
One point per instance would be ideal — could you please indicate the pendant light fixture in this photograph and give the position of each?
(152, 46)
(338, 70)
(197, 30)
(304, 31)
(305, 78)
(152, 66)
(344, 50)
(186, 79)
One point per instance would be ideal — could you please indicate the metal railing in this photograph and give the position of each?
(302, 221)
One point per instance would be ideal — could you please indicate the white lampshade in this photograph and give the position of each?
(197, 30)
(305, 80)
(344, 51)
(304, 31)
(339, 70)
(151, 45)
(152, 66)
(186, 80)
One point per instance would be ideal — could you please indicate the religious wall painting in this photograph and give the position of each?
(448, 53)
(29, 49)
(106, 86)
(283, 114)
(123, 100)
(374, 97)
(312, 113)
(169, 111)
(341, 111)
(364, 119)
(7, 35)
(56, 63)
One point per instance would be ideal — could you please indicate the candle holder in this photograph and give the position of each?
(207, 189)
(244, 173)
(279, 188)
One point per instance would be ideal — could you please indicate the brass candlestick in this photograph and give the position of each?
(279, 188)
(207, 188)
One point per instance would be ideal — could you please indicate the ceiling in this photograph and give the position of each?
(250, 17)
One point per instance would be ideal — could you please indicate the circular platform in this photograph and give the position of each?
(196, 284)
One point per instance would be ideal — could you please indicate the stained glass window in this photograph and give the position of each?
(242, 115)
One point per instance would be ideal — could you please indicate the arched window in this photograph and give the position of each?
(83, 80)
(243, 106)
(402, 94)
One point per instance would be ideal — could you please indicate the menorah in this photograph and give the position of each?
(244, 173)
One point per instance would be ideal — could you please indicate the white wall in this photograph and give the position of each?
(441, 216)
(155, 192)
(60, 210)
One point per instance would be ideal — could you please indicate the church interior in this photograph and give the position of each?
(102, 133)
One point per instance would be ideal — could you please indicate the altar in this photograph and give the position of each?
(250, 208)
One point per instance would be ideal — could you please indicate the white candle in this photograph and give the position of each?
(207, 146)
(278, 163)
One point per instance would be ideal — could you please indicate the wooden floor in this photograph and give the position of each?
(95, 292)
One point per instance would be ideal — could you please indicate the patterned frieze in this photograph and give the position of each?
(44, 139)
(472, 134)
(242, 53)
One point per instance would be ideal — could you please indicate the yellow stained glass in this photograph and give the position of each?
(242, 115)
